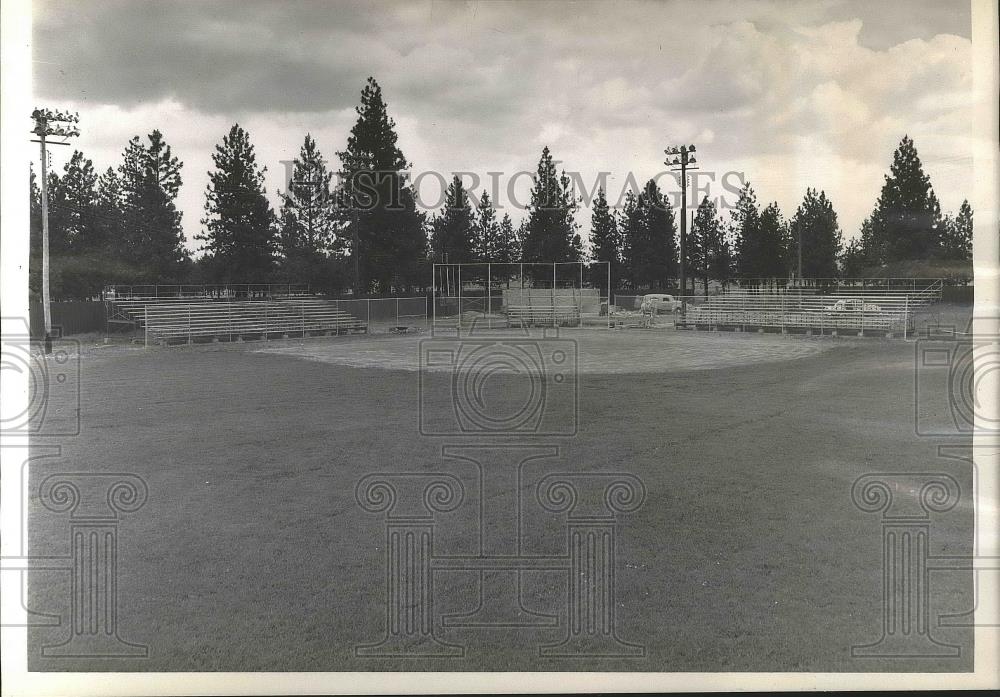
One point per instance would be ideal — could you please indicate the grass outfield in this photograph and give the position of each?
(748, 555)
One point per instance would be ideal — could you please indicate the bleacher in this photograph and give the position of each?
(882, 311)
(189, 322)
(125, 304)
(526, 307)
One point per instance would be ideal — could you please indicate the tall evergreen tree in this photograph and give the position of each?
(452, 230)
(485, 231)
(706, 244)
(814, 229)
(391, 242)
(605, 238)
(907, 217)
(309, 222)
(72, 200)
(853, 259)
(632, 234)
(761, 238)
(661, 232)
(648, 236)
(744, 221)
(154, 240)
(239, 225)
(309, 216)
(774, 242)
(508, 250)
(111, 224)
(721, 259)
(956, 242)
(78, 257)
(550, 232)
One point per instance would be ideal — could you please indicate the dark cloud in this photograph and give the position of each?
(484, 85)
(227, 56)
(213, 56)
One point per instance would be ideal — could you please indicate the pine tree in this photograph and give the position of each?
(309, 223)
(661, 234)
(485, 231)
(907, 217)
(956, 242)
(154, 240)
(632, 233)
(605, 238)
(452, 230)
(814, 227)
(761, 238)
(239, 229)
(774, 243)
(744, 222)
(868, 250)
(391, 242)
(110, 234)
(72, 198)
(705, 243)
(648, 238)
(721, 259)
(853, 259)
(508, 249)
(550, 232)
(110, 224)
(309, 217)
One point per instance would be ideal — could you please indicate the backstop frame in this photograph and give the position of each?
(448, 284)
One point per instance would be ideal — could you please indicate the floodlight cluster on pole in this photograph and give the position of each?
(61, 124)
(682, 159)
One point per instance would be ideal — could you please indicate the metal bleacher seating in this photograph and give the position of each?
(187, 322)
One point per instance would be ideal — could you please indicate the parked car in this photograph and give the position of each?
(661, 302)
(852, 305)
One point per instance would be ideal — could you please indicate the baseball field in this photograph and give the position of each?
(253, 551)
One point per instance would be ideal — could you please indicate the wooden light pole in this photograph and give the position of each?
(682, 159)
(49, 122)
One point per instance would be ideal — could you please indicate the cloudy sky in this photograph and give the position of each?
(792, 94)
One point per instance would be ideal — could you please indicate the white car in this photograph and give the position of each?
(852, 305)
(661, 302)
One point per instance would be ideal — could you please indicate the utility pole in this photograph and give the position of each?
(49, 122)
(355, 252)
(682, 159)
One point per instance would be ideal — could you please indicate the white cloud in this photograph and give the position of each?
(795, 94)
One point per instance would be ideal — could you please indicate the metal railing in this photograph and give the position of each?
(165, 322)
(891, 312)
(522, 307)
(241, 291)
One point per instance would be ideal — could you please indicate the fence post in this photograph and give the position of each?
(145, 323)
(368, 316)
(189, 324)
(302, 308)
(397, 312)
(906, 316)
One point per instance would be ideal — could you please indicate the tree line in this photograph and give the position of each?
(365, 231)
